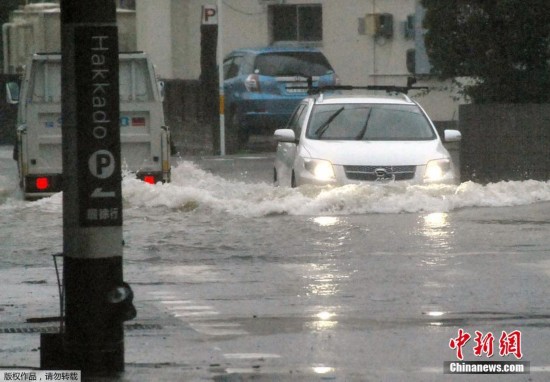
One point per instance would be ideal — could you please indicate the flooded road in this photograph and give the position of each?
(357, 283)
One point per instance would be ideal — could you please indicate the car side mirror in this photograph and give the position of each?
(12, 93)
(161, 88)
(285, 135)
(452, 136)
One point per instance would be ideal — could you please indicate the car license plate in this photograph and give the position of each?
(296, 88)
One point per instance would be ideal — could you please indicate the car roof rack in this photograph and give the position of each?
(387, 88)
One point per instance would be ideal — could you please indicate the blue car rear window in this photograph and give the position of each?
(306, 64)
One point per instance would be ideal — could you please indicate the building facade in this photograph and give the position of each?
(368, 42)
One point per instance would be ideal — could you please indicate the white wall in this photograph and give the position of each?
(243, 24)
(154, 33)
(364, 58)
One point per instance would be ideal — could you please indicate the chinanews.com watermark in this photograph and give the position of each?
(482, 345)
(486, 367)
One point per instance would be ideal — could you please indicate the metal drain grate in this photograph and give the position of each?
(43, 329)
(139, 326)
(55, 329)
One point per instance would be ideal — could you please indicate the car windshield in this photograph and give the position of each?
(371, 122)
(307, 64)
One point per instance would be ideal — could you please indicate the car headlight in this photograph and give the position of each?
(321, 169)
(437, 169)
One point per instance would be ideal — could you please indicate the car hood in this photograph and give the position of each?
(375, 153)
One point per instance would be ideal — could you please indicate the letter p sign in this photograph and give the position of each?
(209, 15)
(102, 164)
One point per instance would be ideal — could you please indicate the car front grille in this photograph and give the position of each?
(373, 173)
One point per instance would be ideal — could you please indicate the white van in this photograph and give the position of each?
(145, 140)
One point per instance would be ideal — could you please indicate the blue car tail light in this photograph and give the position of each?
(252, 83)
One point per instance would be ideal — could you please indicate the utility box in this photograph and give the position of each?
(379, 24)
(36, 28)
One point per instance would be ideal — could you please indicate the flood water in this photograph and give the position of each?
(355, 283)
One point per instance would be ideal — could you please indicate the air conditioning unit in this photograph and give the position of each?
(379, 24)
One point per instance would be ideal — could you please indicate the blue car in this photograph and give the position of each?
(264, 85)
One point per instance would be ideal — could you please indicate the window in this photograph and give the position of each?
(297, 119)
(292, 64)
(297, 22)
(133, 85)
(231, 67)
(45, 85)
(127, 4)
(369, 122)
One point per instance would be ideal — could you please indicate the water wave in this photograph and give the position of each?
(193, 189)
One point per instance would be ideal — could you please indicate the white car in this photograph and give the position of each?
(341, 139)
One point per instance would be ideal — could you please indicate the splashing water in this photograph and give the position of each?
(193, 189)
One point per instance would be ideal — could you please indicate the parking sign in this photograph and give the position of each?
(209, 15)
